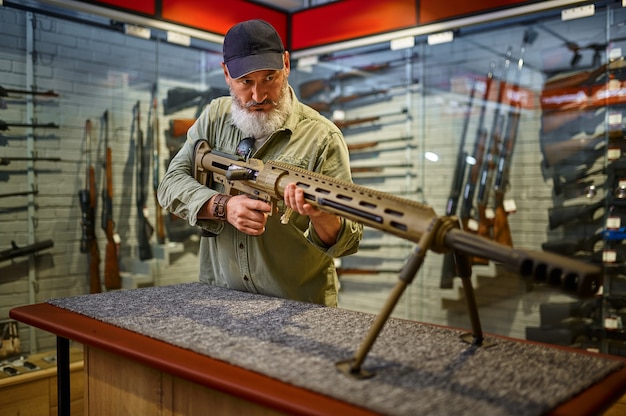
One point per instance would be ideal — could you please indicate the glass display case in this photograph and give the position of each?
(515, 126)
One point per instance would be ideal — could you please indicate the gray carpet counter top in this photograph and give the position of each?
(420, 369)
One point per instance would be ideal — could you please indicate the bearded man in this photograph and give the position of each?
(248, 249)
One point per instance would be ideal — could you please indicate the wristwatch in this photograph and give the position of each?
(219, 206)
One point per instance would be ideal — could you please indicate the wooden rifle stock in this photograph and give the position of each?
(112, 279)
(156, 171)
(87, 196)
(180, 126)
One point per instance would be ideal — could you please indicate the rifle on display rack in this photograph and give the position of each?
(25, 193)
(144, 228)
(87, 198)
(485, 212)
(326, 106)
(5, 161)
(16, 251)
(467, 204)
(155, 134)
(346, 124)
(501, 227)
(5, 92)
(112, 278)
(448, 270)
(5, 125)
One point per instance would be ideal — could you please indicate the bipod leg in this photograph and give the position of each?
(352, 367)
(464, 271)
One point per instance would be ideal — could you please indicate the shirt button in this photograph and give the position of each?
(245, 278)
(241, 246)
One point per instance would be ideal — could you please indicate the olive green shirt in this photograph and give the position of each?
(287, 260)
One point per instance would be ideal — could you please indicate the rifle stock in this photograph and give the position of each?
(156, 156)
(179, 126)
(112, 279)
(87, 196)
(404, 218)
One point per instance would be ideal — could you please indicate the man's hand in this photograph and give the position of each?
(326, 225)
(247, 215)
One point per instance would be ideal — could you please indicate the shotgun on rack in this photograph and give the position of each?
(404, 218)
(490, 160)
(142, 161)
(87, 197)
(112, 278)
(501, 227)
(469, 190)
(448, 270)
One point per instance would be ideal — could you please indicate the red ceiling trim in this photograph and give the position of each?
(141, 6)
(217, 16)
(350, 19)
(437, 10)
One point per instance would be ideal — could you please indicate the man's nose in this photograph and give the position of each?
(259, 93)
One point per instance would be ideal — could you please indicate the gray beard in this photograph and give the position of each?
(259, 124)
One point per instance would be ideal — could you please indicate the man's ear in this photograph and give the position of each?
(226, 74)
(287, 62)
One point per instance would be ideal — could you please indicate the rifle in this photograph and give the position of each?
(5, 125)
(485, 218)
(5, 161)
(4, 92)
(556, 153)
(558, 216)
(112, 278)
(448, 269)
(156, 152)
(16, 251)
(569, 246)
(343, 124)
(144, 228)
(468, 223)
(19, 194)
(501, 227)
(310, 88)
(324, 106)
(87, 198)
(366, 146)
(401, 217)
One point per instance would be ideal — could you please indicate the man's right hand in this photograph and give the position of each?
(247, 215)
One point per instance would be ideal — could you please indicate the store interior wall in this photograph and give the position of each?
(421, 98)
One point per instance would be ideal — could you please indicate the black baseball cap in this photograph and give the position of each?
(250, 46)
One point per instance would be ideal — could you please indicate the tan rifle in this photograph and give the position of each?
(401, 217)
